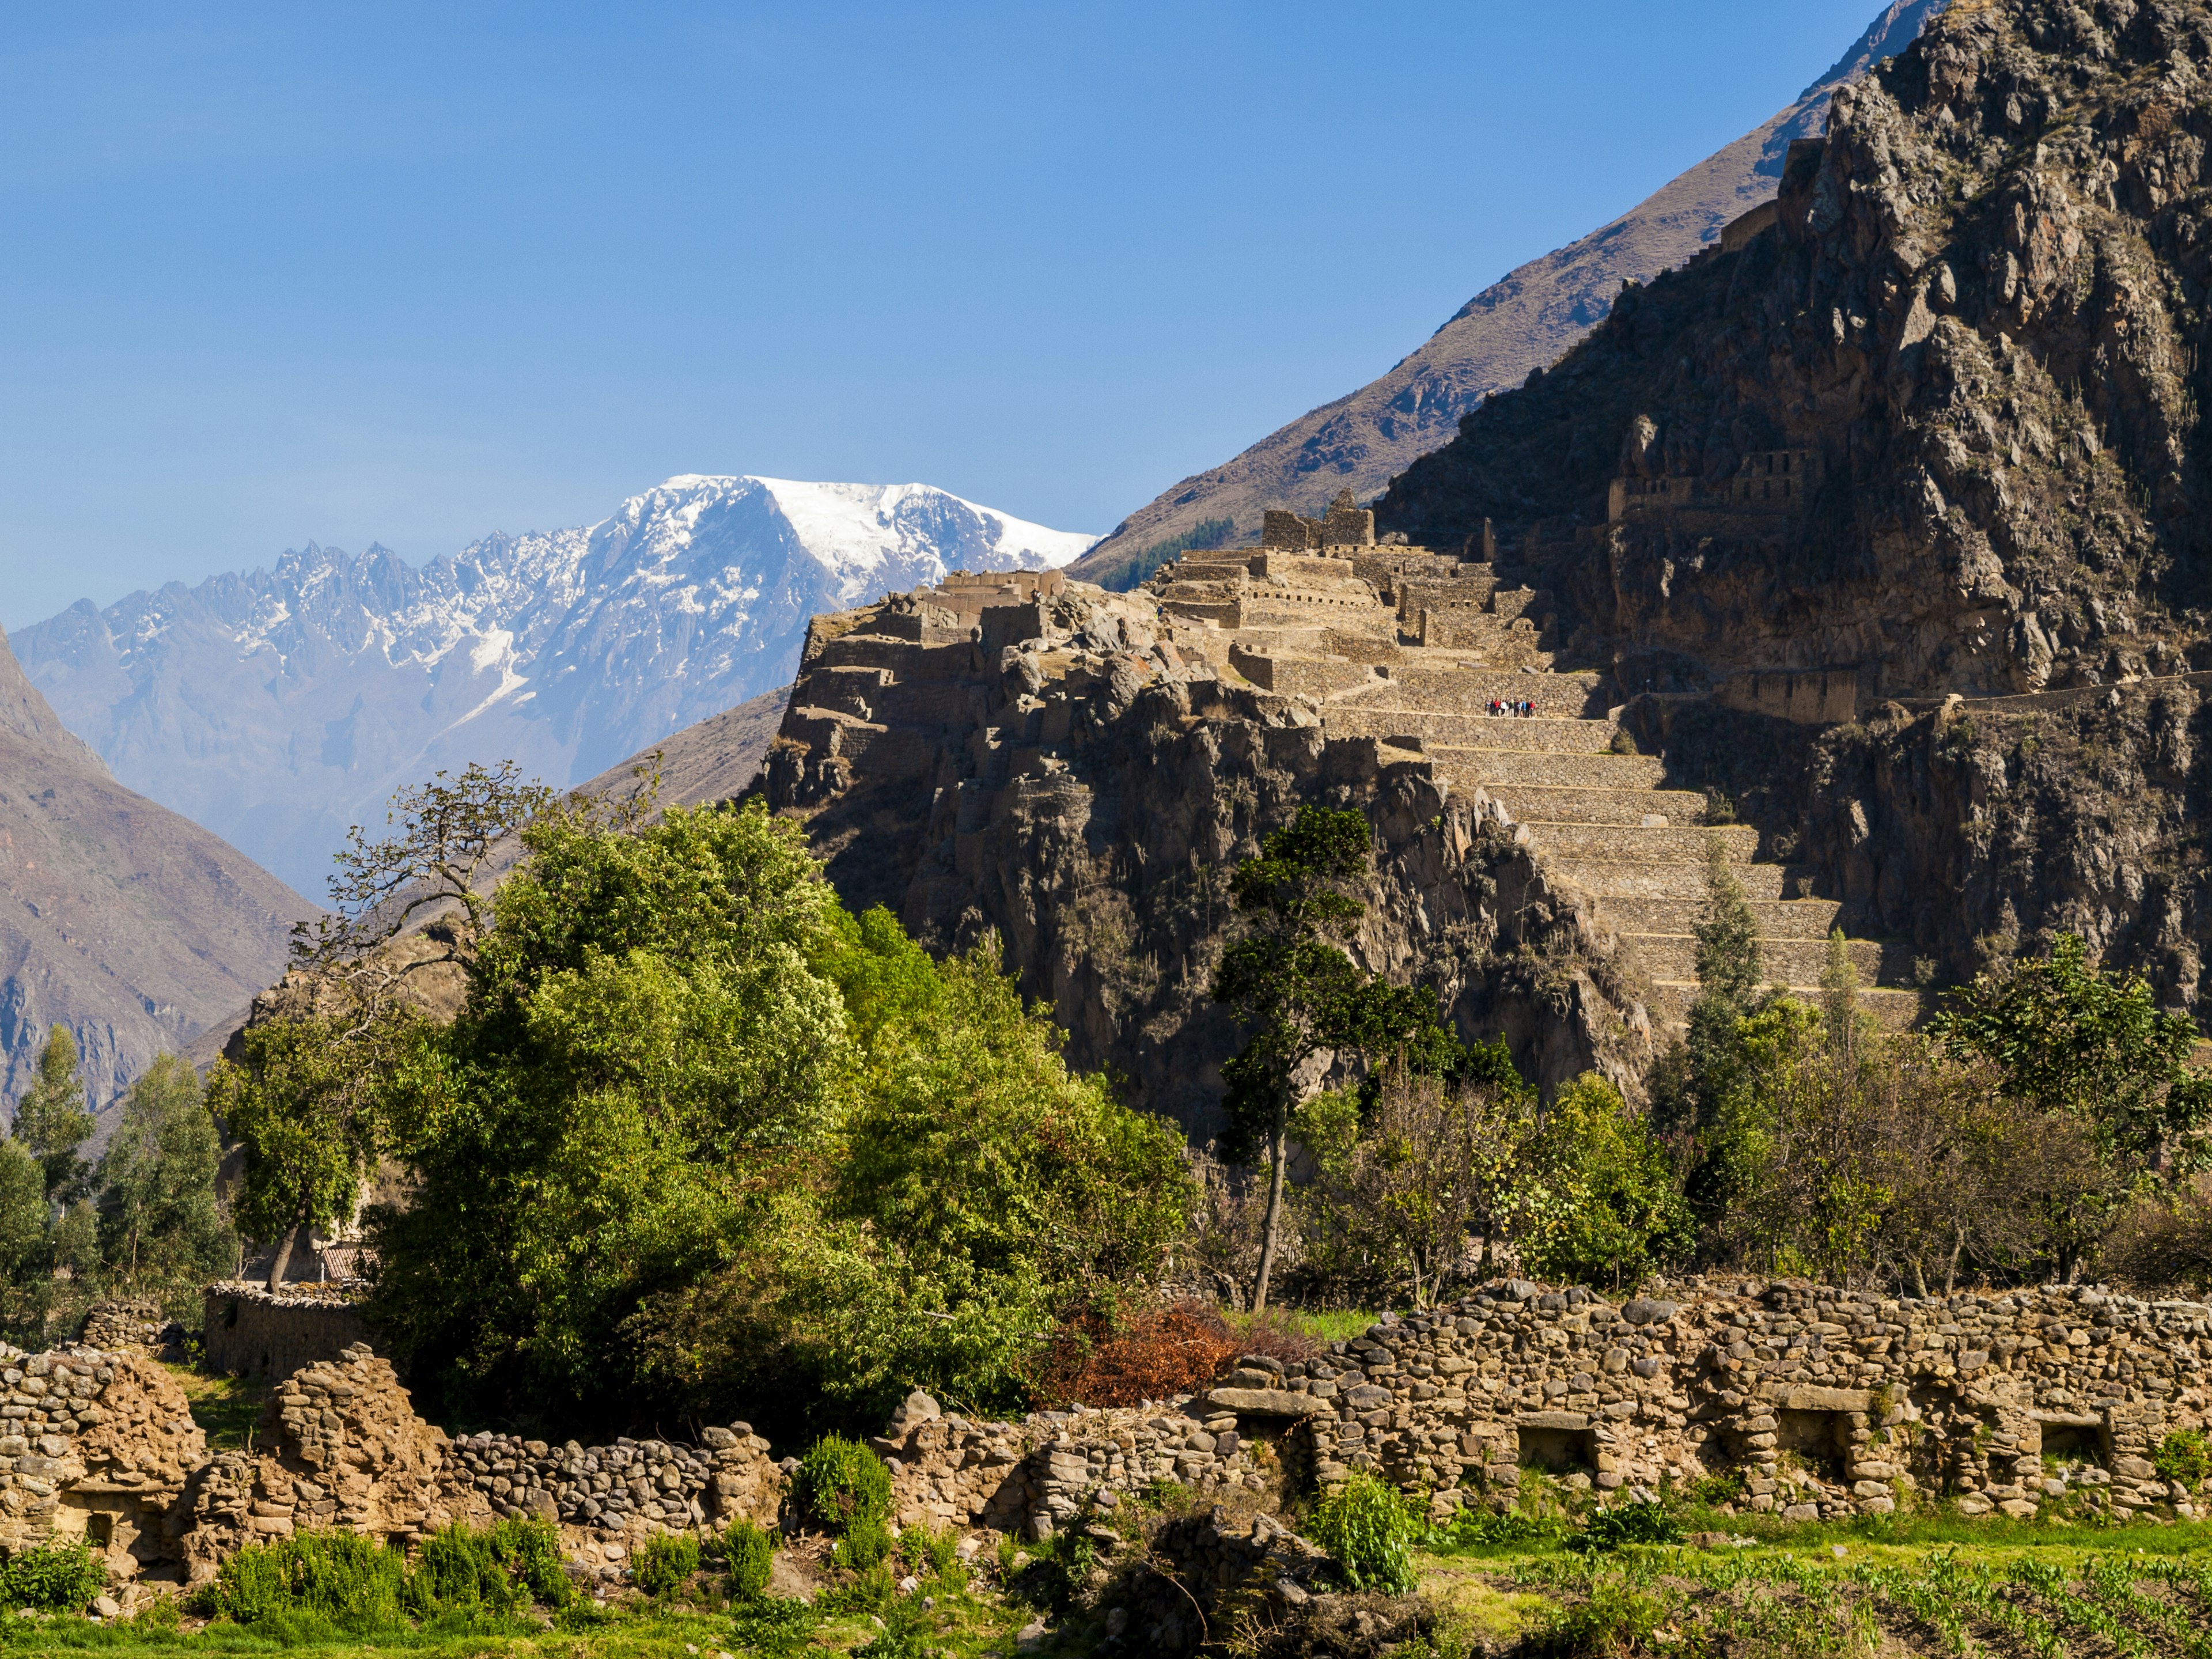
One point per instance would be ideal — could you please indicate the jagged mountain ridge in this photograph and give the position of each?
(119, 919)
(278, 707)
(1523, 322)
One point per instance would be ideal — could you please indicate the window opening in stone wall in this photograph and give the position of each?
(1816, 1439)
(1558, 1451)
(100, 1530)
(2072, 1443)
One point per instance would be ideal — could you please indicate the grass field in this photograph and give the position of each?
(1931, 1585)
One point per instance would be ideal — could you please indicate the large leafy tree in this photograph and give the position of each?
(645, 1043)
(306, 1099)
(1298, 992)
(1597, 1201)
(1408, 1168)
(2076, 1043)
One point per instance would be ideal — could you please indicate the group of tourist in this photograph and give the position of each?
(1517, 707)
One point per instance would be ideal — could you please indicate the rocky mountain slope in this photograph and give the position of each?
(1934, 435)
(129, 924)
(278, 707)
(1522, 323)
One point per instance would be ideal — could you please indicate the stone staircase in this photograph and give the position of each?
(1409, 648)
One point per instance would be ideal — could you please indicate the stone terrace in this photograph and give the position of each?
(1411, 649)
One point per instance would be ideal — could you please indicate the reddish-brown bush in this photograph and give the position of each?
(1093, 1359)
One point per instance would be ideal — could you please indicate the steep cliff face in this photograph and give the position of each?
(1079, 772)
(1912, 480)
(1938, 423)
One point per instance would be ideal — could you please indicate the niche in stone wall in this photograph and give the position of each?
(1816, 1439)
(2070, 1443)
(1558, 1452)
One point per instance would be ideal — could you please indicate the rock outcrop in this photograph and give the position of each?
(1932, 431)
(1077, 771)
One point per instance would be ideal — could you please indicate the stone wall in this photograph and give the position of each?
(123, 1325)
(1038, 1475)
(1831, 1402)
(250, 1333)
(1827, 1403)
(96, 1445)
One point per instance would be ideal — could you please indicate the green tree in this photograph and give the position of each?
(1401, 1186)
(1728, 957)
(1298, 992)
(51, 1121)
(2073, 1039)
(1597, 1202)
(976, 1144)
(305, 1103)
(162, 1231)
(646, 1059)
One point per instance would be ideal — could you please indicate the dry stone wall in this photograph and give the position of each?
(633, 1486)
(93, 1445)
(1824, 1403)
(1036, 1476)
(1829, 1402)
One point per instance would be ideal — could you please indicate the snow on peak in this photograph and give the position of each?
(275, 705)
(864, 534)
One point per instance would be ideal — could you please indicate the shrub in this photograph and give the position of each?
(54, 1576)
(2183, 1455)
(1370, 1530)
(841, 1481)
(930, 1554)
(311, 1582)
(1626, 1524)
(1055, 1575)
(1102, 1356)
(750, 1554)
(773, 1625)
(665, 1562)
(495, 1571)
(531, 1550)
(1613, 1620)
(866, 1542)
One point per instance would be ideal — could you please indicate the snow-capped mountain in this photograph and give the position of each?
(278, 707)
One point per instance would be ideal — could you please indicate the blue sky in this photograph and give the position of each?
(412, 273)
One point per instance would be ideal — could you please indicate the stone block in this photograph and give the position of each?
(1280, 1402)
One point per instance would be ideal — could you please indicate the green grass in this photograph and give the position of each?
(225, 1408)
(1319, 1327)
(1932, 1583)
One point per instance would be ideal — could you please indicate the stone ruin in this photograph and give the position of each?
(1828, 1403)
(1346, 525)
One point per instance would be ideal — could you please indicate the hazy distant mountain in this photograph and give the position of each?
(1525, 321)
(129, 924)
(278, 706)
